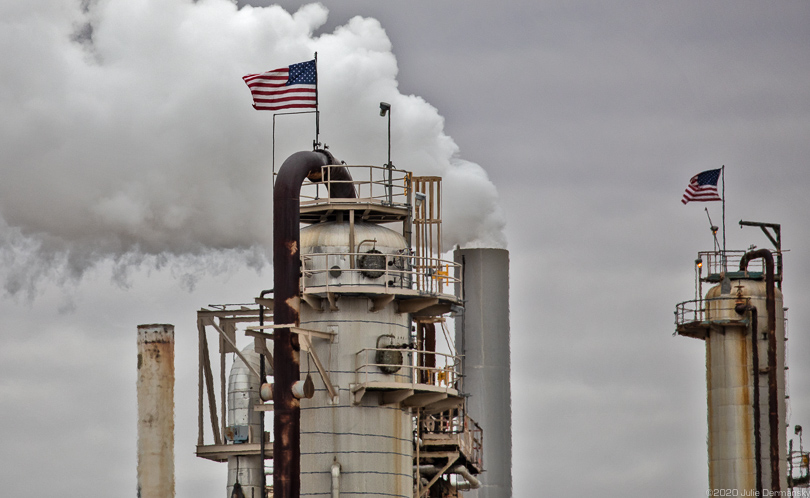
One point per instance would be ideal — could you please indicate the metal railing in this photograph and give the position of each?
(703, 310)
(375, 365)
(391, 271)
(453, 422)
(375, 184)
(717, 262)
(799, 469)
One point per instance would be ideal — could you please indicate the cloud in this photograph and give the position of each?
(128, 136)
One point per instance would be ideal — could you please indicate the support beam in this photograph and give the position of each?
(236, 349)
(380, 302)
(307, 346)
(450, 461)
(414, 305)
(209, 382)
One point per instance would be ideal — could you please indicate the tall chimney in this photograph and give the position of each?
(482, 337)
(155, 411)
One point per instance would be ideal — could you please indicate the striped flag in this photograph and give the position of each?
(294, 87)
(703, 187)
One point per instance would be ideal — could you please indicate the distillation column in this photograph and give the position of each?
(369, 445)
(745, 392)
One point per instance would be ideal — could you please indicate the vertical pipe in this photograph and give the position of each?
(755, 375)
(773, 400)
(335, 480)
(286, 308)
(483, 332)
(155, 386)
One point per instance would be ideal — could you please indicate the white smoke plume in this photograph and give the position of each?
(128, 135)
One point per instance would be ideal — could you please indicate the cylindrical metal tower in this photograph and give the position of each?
(482, 338)
(739, 394)
(244, 424)
(372, 443)
(364, 401)
(742, 323)
(155, 411)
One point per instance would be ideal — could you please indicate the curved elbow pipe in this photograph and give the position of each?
(287, 270)
(773, 407)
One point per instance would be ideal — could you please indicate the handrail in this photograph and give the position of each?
(718, 262)
(430, 276)
(453, 422)
(371, 185)
(444, 375)
(701, 310)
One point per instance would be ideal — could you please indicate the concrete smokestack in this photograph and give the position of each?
(155, 411)
(482, 337)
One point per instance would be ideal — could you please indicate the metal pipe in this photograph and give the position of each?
(286, 307)
(742, 308)
(263, 379)
(335, 480)
(472, 481)
(773, 401)
(155, 386)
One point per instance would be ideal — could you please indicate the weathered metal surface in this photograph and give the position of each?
(287, 270)
(736, 371)
(773, 398)
(155, 387)
(244, 421)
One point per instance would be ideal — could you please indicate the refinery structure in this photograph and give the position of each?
(372, 367)
(742, 321)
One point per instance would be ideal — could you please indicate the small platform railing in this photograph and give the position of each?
(717, 263)
(372, 184)
(392, 271)
(468, 434)
(704, 310)
(407, 367)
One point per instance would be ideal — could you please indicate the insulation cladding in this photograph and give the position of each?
(155, 387)
(244, 423)
(373, 444)
(730, 379)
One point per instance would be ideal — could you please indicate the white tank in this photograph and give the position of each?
(373, 444)
(730, 388)
(244, 423)
(326, 251)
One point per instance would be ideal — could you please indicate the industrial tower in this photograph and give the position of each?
(365, 382)
(741, 319)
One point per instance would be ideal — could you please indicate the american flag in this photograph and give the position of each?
(703, 187)
(293, 87)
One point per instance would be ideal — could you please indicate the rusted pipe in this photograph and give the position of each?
(741, 309)
(773, 398)
(287, 272)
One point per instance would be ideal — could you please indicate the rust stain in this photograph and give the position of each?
(294, 303)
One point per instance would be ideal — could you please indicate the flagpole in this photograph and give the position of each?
(723, 175)
(317, 112)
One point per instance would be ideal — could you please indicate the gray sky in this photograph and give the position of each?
(134, 189)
